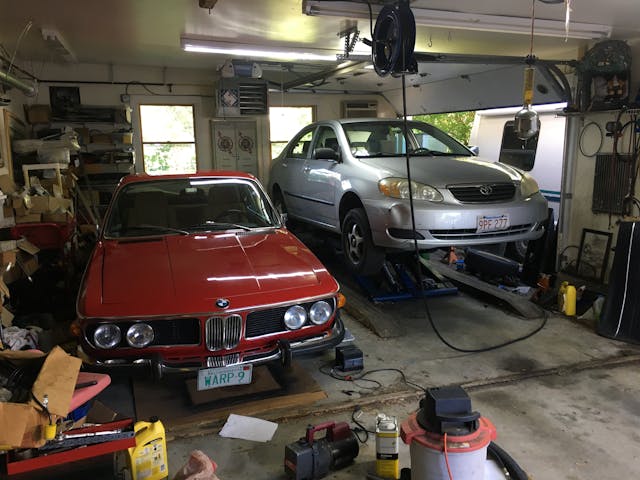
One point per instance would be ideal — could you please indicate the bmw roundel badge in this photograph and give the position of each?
(222, 303)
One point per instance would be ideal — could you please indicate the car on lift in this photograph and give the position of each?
(197, 273)
(351, 177)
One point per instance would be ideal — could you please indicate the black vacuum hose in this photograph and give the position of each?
(505, 460)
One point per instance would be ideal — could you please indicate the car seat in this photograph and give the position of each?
(225, 199)
(149, 208)
(332, 143)
(373, 145)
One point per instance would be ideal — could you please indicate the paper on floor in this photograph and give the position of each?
(248, 428)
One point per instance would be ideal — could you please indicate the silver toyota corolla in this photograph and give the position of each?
(350, 177)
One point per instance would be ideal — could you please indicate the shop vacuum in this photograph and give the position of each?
(447, 439)
(310, 459)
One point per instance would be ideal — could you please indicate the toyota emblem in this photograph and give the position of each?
(222, 302)
(486, 190)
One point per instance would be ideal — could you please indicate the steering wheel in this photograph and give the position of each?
(420, 150)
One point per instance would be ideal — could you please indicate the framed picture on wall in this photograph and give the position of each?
(593, 255)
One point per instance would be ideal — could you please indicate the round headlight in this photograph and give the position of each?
(320, 312)
(140, 335)
(107, 335)
(295, 317)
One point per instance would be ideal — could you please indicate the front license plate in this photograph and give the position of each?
(217, 377)
(492, 223)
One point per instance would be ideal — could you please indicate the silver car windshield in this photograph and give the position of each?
(386, 139)
(184, 206)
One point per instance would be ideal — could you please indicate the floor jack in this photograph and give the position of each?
(399, 280)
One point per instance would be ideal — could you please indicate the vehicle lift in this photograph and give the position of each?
(399, 280)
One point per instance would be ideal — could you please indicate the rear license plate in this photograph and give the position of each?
(217, 377)
(492, 223)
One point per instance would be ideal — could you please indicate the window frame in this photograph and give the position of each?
(143, 142)
(272, 142)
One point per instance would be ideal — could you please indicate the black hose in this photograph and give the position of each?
(506, 461)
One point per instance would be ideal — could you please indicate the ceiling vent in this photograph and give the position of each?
(242, 96)
(360, 109)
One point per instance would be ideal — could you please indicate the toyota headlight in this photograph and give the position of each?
(399, 188)
(107, 335)
(528, 186)
(295, 317)
(320, 312)
(140, 335)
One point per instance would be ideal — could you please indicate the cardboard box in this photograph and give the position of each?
(8, 257)
(60, 204)
(21, 424)
(8, 245)
(29, 218)
(7, 185)
(37, 113)
(39, 203)
(57, 217)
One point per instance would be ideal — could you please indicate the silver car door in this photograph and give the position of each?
(292, 171)
(322, 178)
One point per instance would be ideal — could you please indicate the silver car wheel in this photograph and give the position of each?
(361, 255)
(355, 241)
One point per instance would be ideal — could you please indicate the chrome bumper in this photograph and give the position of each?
(283, 353)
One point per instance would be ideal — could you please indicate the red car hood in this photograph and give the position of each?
(186, 274)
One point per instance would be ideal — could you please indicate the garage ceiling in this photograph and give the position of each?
(148, 32)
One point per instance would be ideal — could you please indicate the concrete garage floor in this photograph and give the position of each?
(565, 402)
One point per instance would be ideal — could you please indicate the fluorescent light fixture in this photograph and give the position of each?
(466, 21)
(57, 45)
(204, 45)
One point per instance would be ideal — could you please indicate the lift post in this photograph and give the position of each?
(399, 280)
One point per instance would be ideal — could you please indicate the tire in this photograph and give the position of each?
(361, 255)
(517, 250)
(281, 207)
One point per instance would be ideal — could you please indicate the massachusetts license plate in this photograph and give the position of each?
(216, 377)
(492, 223)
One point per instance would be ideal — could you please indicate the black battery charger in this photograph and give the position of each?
(349, 358)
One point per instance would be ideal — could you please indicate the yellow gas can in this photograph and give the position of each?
(148, 459)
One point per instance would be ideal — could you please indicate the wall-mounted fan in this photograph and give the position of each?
(394, 38)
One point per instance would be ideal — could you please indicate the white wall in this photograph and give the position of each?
(166, 85)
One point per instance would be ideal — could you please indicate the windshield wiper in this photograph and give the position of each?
(158, 228)
(223, 225)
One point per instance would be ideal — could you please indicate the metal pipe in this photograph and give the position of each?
(567, 186)
(10, 80)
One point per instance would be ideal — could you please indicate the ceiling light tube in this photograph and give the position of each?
(203, 45)
(466, 21)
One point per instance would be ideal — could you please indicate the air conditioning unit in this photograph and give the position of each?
(241, 96)
(359, 109)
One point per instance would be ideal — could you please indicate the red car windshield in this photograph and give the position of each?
(184, 206)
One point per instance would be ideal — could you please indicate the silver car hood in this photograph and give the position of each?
(442, 171)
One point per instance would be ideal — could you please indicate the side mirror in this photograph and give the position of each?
(323, 153)
(474, 149)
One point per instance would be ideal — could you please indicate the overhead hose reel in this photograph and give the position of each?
(394, 38)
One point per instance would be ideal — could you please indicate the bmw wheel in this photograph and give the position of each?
(362, 256)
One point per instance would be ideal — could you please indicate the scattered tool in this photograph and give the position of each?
(309, 459)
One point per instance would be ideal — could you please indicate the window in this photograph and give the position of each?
(284, 123)
(300, 147)
(168, 139)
